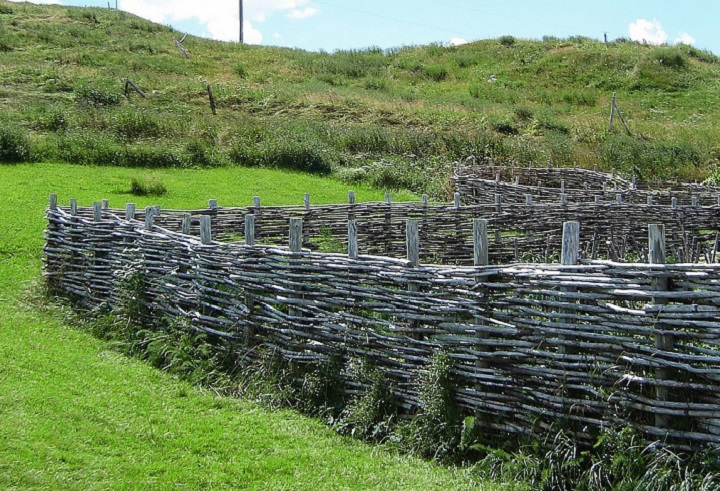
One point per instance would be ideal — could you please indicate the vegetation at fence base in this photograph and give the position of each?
(619, 459)
(369, 115)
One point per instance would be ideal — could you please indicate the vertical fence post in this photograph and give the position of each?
(695, 200)
(97, 211)
(597, 199)
(674, 202)
(412, 239)
(563, 199)
(186, 223)
(351, 197)
(306, 201)
(212, 204)
(352, 239)
(295, 242)
(619, 198)
(105, 204)
(456, 200)
(528, 200)
(498, 210)
(129, 211)
(149, 216)
(388, 198)
(250, 230)
(568, 257)
(53, 202)
(73, 206)
(480, 242)
(650, 200)
(424, 200)
(205, 230)
(663, 342)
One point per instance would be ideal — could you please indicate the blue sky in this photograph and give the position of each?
(342, 24)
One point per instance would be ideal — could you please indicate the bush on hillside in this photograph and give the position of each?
(506, 40)
(14, 144)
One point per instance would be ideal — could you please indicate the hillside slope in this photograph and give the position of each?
(386, 117)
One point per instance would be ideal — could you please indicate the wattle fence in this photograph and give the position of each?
(577, 344)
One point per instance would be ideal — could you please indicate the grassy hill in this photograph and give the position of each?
(380, 116)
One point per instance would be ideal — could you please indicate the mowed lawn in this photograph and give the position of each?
(74, 414)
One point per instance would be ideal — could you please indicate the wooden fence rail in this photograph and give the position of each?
(534, 346)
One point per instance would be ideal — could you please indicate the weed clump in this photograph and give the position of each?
(143, 186)
(96, 97)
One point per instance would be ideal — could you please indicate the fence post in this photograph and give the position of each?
(250, 230)
(498, 210)
(563, 199)
(351, 197)
(186, 222)
(663, 341)
(674, 202)
(205, 230)
(212, 204)
(480, 242)
(412, 239)
(73, 206)
(619, 198)
(650, 200)
(388, 198)
(52, 202)
(97, 211)
(568, 257)
(528, 200)
(129, 211)
(295, 241)
(695, 200)
(149, 216)
(105, 204)
(306, 201)
(456, 200)
(352, 239)
(597, 199)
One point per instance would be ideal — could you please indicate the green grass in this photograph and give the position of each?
(74, 414)
(62, 97)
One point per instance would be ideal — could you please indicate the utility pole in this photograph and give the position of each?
(241, 21)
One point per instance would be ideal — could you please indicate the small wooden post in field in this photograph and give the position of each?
(212, 204)
(412, 237)
(306, 200)
(212, 99)
(53, 202)
(351, 197)
(480, 242)
(129, 211)
(73, 206)
(105, 204)
(650, 200)
(457, 200)
(528, 200)
(205, 230)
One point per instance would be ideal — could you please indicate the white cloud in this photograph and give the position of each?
(218, 17)
(302, 14)
(685, 38)
(651, 32)
(457, 41)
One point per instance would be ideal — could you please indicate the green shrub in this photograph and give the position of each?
(438, 73)
(671, 57)
(503, 125)
(131, 124)
(523, 113)
(506, 40)
(435, 431)
(372, 413)
(14, 144)
(7, 39)
(97, 97)
(6, 9)
(147, 186)
(239, 70)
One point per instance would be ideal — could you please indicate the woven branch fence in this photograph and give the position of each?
(534, 346)
(478, 184)
(521, 232)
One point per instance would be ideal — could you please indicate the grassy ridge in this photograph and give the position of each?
(377, 116)
(76, 415)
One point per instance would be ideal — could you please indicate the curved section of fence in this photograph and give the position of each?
(534, 346)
